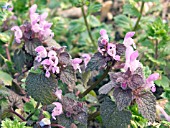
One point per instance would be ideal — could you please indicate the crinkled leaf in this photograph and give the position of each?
(41, 88)
(135, 81)
(49, 42)
(5, 78)
(64, 121)
(67, 76)
(122, 97)
(147, 105)
(106, 88)
(114, 76)
(120, 49)
(93, 21)
(94, 7)
(131, 10)
(30, 46)
(81, 118)
(64, 58)
(139, 71)
(97, 61)
(112, 117)
(19, 55)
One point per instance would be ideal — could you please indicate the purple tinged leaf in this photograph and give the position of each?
(123, 98)
(30, 46)
(120, 49)
(147, 105)
(139, 71)
(96, 62)
(114, 76)
(135, 81)
(68, 76)
(107, 88)
(64, 58)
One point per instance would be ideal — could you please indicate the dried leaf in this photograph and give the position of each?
(123, 98)
(147, 105)
(112, 117)
(106, 88)
(97, 61)
(68, 76)
(30, 46)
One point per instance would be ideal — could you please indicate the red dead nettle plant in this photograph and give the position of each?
(50, 63)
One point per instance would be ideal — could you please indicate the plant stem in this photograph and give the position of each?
(137, 22)
(93, 115)
(29, 116)
(156, 50)
(17, 114)
(87, 26)
(7, 52)
(95, 83)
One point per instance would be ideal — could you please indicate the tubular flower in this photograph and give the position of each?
(57, 110)
(75, 64)
(150, 81)
(17, 33)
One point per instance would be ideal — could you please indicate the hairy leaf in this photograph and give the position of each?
(30, 46)
(120, 49)
(106, 88)
(64, 121)
(97, 61)
(131, 10)
(68, 76)
(147, 105)
(41, 88)
(19, 55)
(64, 58)
(112, 117)
(114, 76)
(123, 97)
(135, 81)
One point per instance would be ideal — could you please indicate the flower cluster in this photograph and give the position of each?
(77, 61)
(106, 48)
(132, 78)
(49, 60)
(39, 24)
(37, 28)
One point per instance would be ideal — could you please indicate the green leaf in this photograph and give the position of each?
(123, 21)
(93, 21)
(41, 88)
(164, 82)
(94, 7)
(77, 26)
(158, 62)
(28, 107)
(112, 117)
(36, 71)
(131, 10)
(147, 105)
(5, 78)
(4, 37)
(166, 94)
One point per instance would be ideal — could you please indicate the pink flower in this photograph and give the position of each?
(86, 58)
(43, 16)
(42, 53)
(57, 109)
(17, 33)
(33, 9)
(58, 93)
(167, 117)
(52, 54)
(105, 38)
(111, 50)
(131, 59)
(75, 64)
(150, 81)
(128, 41)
